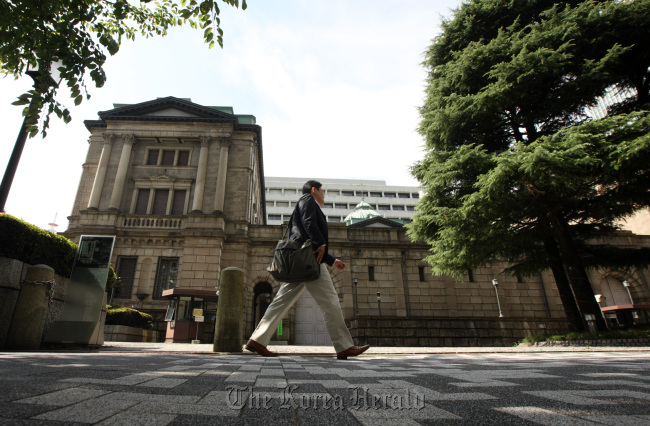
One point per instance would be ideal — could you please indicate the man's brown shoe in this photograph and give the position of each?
(352, 351)
(253, 346)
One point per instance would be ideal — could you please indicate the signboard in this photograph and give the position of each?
(200, 318)
(197, 312)
(85, 294)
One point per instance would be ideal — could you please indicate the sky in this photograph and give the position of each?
(334, 85)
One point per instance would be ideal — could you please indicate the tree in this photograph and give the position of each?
(75, 36)
(515, 169)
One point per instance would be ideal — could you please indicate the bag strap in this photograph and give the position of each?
(285, 235)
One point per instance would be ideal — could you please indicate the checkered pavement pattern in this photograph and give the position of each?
(81, 388)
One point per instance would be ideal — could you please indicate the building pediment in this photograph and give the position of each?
(171, 109)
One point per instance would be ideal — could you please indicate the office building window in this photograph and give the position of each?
(348, 193)
(275, 217)
(334, 218)
(375, 194)
(166, 275)
(404, 195)
(410, 208)
(421, 273)
(383, 207)
(398, 207)
(371, 273)
(328, 205)
(178, 202)
(415, 195)
(167, 157)
(142, 202)
(340, 206)
(126, 273)
(160, 201)
(389, 194)
(470, 276)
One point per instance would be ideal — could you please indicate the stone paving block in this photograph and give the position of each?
(138, 419)
(89, 411)
(64, 397)
(543, 416)
(163, 383)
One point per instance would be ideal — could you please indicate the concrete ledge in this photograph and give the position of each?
(610, 342)
(123, 333)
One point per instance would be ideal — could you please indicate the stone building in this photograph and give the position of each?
(182, 188)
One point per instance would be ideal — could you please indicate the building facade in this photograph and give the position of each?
(182, 188)
(341, 197)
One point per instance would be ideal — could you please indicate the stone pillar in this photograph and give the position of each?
(229, 325)
(26, 329)
(101, 171)
(223, 171)
(197, 204)
(122, 169)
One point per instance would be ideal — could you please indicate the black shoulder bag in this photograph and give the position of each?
(293, 261)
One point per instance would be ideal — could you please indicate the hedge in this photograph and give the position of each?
(30, 244)
(127, 316)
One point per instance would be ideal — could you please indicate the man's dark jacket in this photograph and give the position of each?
(309, 223)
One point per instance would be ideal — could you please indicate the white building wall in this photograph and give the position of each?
(341, 197)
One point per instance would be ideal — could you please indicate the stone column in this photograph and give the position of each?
(96, 192)
(122, 168)
(228, 328)
(223, 171)
(197, 204)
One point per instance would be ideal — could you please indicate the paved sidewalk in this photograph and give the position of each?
(188, 348)
(161, 384)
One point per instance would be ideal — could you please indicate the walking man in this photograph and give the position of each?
(308, 222)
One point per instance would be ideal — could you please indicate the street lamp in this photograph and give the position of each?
(626, 284)
(52, 78)
(495, 283)
(355, 280)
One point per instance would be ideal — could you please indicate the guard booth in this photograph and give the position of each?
(187, 315)
(625, 316)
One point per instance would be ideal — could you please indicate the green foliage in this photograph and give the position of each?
(112, 281)
(116, 315)
(637, 332)
(77, 34)
(33, 245)
(512, 160)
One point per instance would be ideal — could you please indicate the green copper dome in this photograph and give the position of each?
(363, 211)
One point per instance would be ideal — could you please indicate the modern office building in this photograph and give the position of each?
(341, 198)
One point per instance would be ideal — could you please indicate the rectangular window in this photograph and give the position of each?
(375, 194)
(520, 279)
(166, 275)
(178, 203)
(126, 273)
(389, 194)
(328, 205)
(332, 192)
(282, 203)
(470, 276)
(410, 208)
(404, 195)
(371, 273)
(340, 206)
(183, 158)
(348, 193)
(160, 201)
(275, 191)
(142, 202)
(416, 195)
(334, 218)
(383, 207)
(167, 158)
(398, 207)
(421, 273)
(362, 193)
(152, 157)
(275, 217)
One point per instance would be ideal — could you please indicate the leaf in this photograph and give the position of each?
(78, 100)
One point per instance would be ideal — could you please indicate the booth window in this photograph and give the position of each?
(166, 275)
(126, 273)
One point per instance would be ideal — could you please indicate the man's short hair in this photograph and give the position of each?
(306, 188)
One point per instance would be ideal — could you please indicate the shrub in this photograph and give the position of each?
(33, 245)
(116, 315)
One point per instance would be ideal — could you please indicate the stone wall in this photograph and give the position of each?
(123, 333)
(12, 272)
(437, 332)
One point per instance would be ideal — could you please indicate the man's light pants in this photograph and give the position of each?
(323, 292)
